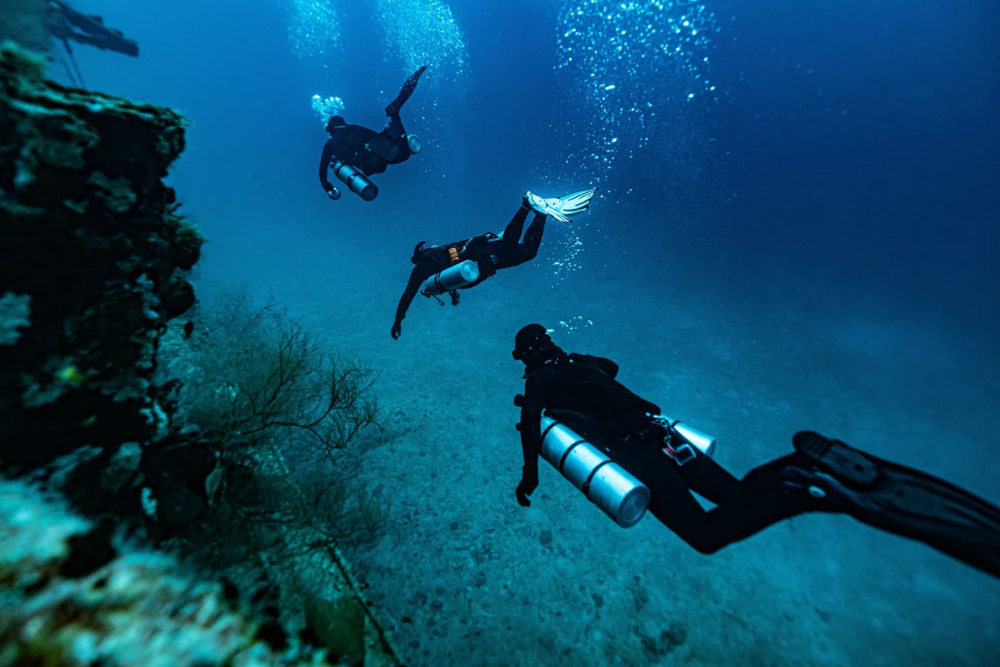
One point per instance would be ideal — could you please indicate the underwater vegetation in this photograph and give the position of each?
(259, 389)
(161, 422)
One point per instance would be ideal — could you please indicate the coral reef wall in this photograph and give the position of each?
(92, 256)
(93, 264)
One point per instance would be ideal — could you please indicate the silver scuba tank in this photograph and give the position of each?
(619, 495)
(705, 444)
(414, 143)
(358, 183)
(452, 278)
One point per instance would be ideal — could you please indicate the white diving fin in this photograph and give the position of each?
(561, 208)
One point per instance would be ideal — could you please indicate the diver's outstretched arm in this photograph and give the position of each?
(417, 276)
(404, 93)
(324, 165)
(898, 499)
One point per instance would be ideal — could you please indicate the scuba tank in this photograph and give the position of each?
(413, 141)
(681, 436)
(619, 495)
(358, 183)
(452, 278)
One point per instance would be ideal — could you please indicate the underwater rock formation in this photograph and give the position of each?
(92, 262)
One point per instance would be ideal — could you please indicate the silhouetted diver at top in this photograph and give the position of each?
(488, 252)
(822, 475)
(364, 149)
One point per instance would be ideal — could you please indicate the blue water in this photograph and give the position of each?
(796, 228)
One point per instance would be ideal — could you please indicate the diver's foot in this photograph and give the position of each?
(823, 487)
(831, 469)
(534, 202)
(836, 458)
(560, 208)
(404, 94)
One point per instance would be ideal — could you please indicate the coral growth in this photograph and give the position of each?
(261, 389)
(93, 262)
(91, 238)
(59, 605)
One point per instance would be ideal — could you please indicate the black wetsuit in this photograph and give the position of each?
(581, 391)
(489, 251)
(356, 145)
(366, 149)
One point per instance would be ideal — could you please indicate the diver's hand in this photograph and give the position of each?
(397, 330)
(527, 486)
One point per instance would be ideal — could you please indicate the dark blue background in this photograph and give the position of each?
(854, 142)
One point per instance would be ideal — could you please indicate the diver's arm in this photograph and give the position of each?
(324, 164)
(417, 276)
(531, 429)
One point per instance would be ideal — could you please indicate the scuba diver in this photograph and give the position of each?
(465, 264)
(625, 455)
(355, 152)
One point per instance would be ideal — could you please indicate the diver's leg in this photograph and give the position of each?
(372, 163)
(512, 252)
(391, 144)
(404, 94)
(519, 253)
(512, 232)
(709, 480)
(740, 515)
(533, 238)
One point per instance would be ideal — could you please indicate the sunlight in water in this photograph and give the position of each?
(313, 29)
(423, 32)
(629, 61)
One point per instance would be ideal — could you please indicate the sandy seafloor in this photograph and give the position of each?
(467, 577)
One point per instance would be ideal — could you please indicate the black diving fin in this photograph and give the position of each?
(898, 499)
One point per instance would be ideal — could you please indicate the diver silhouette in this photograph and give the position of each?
(619, 449)
(355, 152)
(465, 264)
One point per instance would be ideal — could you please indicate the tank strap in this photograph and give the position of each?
(562, 461)
(590, 478)
(681, 455)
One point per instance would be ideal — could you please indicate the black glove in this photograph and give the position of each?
(529, 482)
(397, 330)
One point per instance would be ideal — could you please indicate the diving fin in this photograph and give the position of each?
(561, 208)
(404, 93)
(898, 499)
